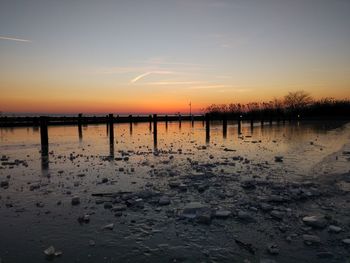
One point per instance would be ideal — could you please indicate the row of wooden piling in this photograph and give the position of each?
(80, 119)
(153, 120)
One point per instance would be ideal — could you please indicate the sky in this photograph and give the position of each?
(156, 56)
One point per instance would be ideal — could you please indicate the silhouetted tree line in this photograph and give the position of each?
(294, 105)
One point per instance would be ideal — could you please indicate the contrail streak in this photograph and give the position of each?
(149, 73)
(15, 39)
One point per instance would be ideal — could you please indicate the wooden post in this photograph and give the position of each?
(239, 125)
(180, 121)
(80, 115)
(44, 135)
(80, 130)
(44, 142)
(107, 125)
(155, 130)
(130, 124)
(166, 122)
(224, 125)
(36, 121)
(150, 122)
(207, 127)
(111, 128)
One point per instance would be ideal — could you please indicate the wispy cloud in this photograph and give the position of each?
(119, 70)
(15, 39)
(224, 76)
(165, 83)
(239, 90)
(155, 65)
(211, 87)
(222, 88)
(149, 73)
(168, 62)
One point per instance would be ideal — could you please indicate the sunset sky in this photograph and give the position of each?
(142, 56)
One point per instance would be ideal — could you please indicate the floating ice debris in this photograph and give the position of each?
(311, 239)
(315, 221)
(75, 200)
(164, 200)
(278, 159)
(273, 249)
(50, 251)
(108, 227)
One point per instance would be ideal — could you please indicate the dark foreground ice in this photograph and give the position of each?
(274, 194)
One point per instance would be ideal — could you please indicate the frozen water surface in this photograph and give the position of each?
(182, 198)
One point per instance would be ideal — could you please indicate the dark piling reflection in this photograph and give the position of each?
(107, 125)
(111, 128)
(207, 128)
(251, 126)
(166, 123)
(111, 135)
(44, 160)
(150, 122)
(155, 132)
(180, 121)
(111, 151)
(80, 130)
(130, 124)
(224, 126)
(239, 126)
(44, 138)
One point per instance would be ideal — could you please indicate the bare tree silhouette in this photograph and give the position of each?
(294, 104)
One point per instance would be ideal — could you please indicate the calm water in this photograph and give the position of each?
(31, 220)
(302, 145)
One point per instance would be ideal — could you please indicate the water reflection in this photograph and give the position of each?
(207, 128)
(80, 132)
(155, 133)
(111, 150)
(44, 160)
(207, 134)
(111, 129)
(275, 139)
(224, 127)
(251, 128)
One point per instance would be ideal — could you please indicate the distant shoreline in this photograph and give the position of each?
(88, 120)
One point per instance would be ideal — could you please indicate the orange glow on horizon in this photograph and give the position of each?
(164, 104)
